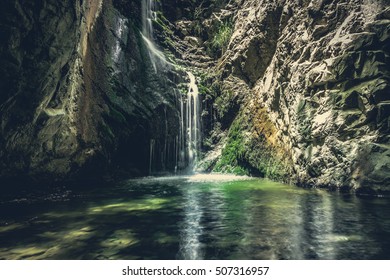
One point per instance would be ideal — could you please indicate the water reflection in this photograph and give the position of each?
(273, 221)
(196, 218)
(318, 226)
(191, 229)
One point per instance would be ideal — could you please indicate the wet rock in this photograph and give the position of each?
(371, 171)
(319, 69)
(383, 111)
(78, 93)
(293, 90)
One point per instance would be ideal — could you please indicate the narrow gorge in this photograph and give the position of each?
(295, 91)
(97, 92)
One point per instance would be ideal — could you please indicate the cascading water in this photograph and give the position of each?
(120, 32)
(148, 16)
(193, 121)
(187, 143)
(190, 127)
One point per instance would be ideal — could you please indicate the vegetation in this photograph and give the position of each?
(162, 25)
(224, 103)
(198, 12)
(221, 38)
(198, 27)
(234, 152)
(247, 152)
(218, 36)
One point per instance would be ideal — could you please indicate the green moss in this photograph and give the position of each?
(162, 23)
(249, 153)
(234, 151)
(224, 101)
(221, 38)
(203, 89)
(183, 88)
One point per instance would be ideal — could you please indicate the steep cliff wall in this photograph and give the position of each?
(293, 90)
(299, 90)
(78, 95)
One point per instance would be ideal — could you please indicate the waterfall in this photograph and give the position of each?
(120, 32)
(190, 128)
(192, 121)
(148, 16)
(183, 152)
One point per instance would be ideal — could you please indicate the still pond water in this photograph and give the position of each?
(195, 217)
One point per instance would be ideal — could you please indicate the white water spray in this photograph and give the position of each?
(148, 16)
(193, 121)
(187, 144)
(190, 128)
(120, 32)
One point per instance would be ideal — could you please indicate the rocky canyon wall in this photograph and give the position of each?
(293, 90)
(299, 90)
(78, 95)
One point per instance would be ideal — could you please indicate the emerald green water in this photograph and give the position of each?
(198, 217)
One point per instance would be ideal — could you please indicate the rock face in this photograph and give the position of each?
(301, 92)
(78, 95)
(293, 90)
(321, 87)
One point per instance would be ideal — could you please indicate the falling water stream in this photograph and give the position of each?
(187, 143)
(157, 57)
(192, 122)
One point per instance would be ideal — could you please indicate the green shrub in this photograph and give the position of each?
(221, 38)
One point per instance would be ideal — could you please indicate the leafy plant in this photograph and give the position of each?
(221, 38)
